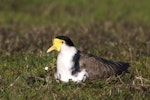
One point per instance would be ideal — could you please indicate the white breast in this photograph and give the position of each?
(65, 63)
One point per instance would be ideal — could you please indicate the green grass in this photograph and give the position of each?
(112, 29)
(39, 13)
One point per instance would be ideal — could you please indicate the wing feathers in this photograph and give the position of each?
(99, 67)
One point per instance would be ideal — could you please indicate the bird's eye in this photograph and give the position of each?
(62, 41)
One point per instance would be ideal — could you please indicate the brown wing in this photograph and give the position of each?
(99, 67)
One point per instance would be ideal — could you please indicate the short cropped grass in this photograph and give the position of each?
(113, 29)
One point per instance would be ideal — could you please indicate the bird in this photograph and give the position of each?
(78, 66)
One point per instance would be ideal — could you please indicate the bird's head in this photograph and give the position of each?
(58, 42)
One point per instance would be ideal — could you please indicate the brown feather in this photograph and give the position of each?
(98, 67)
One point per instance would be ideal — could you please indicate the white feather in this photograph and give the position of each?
(65, 63)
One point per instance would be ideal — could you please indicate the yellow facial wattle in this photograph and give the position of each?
(56, 45)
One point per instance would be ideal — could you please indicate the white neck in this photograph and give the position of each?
(65, 60)
(68, 50)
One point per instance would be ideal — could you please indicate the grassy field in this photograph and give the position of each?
(113, 29)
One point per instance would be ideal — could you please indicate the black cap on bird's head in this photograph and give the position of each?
(58, 41)
(66, 39)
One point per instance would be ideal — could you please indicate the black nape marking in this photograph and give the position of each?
(76, 67)
(66, 39)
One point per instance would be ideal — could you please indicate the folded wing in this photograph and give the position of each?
(99, 67)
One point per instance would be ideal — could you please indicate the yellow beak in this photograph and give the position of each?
(51, 49)
(56, 45)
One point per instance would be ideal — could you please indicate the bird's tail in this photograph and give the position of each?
(121, 67)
